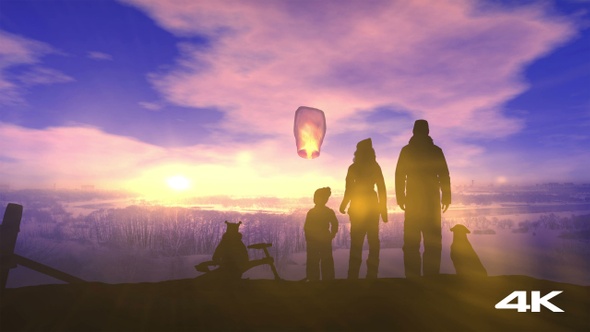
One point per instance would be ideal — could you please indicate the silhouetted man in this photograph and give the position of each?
(420, 177)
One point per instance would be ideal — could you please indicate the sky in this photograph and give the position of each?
(163, 96)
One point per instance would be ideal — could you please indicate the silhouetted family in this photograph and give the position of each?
(423, 191)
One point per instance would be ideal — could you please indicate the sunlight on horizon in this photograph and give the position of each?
(178, 183)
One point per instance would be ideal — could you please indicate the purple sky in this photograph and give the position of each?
(127, 94)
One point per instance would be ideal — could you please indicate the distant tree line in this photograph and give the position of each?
(174, 231)
(162, 231)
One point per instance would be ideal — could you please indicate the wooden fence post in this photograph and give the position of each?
(8, 234)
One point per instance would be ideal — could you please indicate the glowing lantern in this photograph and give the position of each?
(309, 129)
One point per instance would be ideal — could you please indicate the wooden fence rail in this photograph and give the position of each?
(8, 259)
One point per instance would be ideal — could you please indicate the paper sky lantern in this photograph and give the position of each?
(309, 129)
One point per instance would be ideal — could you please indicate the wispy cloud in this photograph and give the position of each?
(152, 106)
(100, 56)
(42, 75)
(20, 52)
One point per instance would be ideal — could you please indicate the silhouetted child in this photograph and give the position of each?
(321, 226)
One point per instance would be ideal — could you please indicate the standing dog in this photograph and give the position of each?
(464, 258)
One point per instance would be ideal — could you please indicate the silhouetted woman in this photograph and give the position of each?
(365, 207)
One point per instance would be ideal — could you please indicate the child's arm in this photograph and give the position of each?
(307, 223)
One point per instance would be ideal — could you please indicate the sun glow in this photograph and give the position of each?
(178, 183)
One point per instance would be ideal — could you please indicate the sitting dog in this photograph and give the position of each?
(464, 258)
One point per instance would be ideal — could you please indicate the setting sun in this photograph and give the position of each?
(178, 183)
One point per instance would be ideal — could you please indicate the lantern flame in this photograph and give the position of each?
(309, 129)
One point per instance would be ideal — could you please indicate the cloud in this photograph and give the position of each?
(42, 75)
(66, 154)
(76, 155)
(453, 62)
(100, 56)
(20, 52)
(71, 156)
(152, 106)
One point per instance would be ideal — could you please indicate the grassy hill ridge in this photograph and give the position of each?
(444, 303)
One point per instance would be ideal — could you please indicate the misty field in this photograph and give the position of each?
(148, 242)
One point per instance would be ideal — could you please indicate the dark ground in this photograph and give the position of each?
(445, 303)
